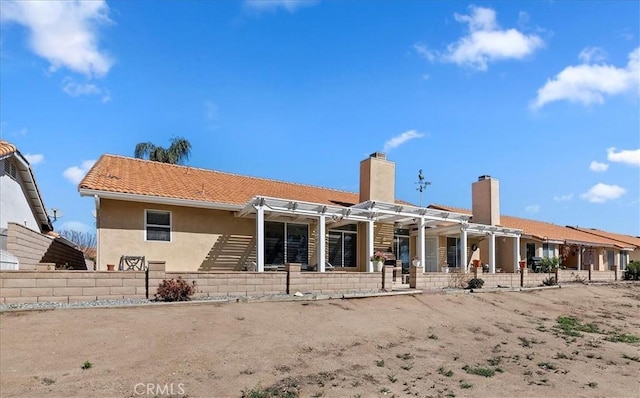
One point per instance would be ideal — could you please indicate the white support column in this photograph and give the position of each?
(492, 253)
(516, 253)
(420, 244)
(463, 248)
(321, 246)
(260, 238)
(579, 258)
(369, 245)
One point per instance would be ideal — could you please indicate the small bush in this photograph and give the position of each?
(550, 281)
(475, 283)
(480, 371)
(632, 273)
(86, 365)
(175, 290)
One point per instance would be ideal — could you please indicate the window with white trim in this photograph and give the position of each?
(157, 225)
(548, 250)
(624, 260)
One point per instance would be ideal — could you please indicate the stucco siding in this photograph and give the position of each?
(13, 202)
(201, 239)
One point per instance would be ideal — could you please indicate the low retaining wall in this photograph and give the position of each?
(72, 286)
(432, 280)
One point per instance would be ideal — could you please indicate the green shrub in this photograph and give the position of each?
(175, 290)
(550, 281)
(475, 283)
(632, 273)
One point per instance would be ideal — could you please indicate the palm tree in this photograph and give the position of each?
(175, 154)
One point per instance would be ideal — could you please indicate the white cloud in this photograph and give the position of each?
(532, 209)
(75, 174)
(75, 226)
(65, 33)
(210, 111)
(630, 156)
(590, 83)
(401, 139)
(34, 159)
(600, 193)
(592, 54)
(76, 89)
(598, 167)
(289, 5)
(563, 198)
(485, 43)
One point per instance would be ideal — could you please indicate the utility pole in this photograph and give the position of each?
(422, 184)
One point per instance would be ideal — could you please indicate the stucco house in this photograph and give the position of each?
(26, 232)
(576, 247)
(204, 220)
(197, 219)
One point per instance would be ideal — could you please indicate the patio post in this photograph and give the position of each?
(463, 247)
(420, 244)
(516, 254)
(321, 243)
(492, 253)
(260, 238)
(369, 245)
(580, 258)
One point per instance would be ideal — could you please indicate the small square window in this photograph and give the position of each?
(158, 225)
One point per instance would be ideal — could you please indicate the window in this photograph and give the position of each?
(453, 252)
(343, 243)
(531, 250)
(158, 225)
(401, 246)
(611, 258)
(624, 260)
(293, 249)
(548, 250)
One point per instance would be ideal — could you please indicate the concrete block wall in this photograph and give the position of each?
(32, 248)
(437, 280)
(27, 245)
(69, 286)
(210, 284)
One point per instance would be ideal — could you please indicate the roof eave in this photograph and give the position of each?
(129, 197)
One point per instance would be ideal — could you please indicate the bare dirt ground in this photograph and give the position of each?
(505, 344)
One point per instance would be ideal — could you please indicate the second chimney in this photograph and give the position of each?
(377, 178)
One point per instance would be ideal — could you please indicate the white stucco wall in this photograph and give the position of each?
(14, 206)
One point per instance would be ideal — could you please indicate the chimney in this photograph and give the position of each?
(485, 200)
(377, 178)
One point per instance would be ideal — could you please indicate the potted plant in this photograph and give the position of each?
(523, 264)
(111, 267)
(378, 259)
(476, 263)
(415, 261)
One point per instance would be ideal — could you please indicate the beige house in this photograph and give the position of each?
(576, 247)
(196, 219)
(203, 220)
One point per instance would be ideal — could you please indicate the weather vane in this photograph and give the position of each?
(422, 184)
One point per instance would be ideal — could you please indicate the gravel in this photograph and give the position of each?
(131, 302)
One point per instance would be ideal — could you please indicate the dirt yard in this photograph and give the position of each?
(579, 341)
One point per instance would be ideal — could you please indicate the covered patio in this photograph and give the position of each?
(365, 215)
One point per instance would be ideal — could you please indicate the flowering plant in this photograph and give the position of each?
(378, 256)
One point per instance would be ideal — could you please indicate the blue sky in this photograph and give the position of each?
(541, 95)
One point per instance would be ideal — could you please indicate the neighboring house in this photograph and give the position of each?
(626, 257)
(26, 234)
(576, 248)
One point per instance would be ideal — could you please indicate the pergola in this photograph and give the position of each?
(368, 212)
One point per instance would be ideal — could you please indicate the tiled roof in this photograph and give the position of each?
(6, 148)
(546, 231)
(633, 240)
(119, 174)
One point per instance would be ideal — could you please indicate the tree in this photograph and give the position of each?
(178, 151)
(86, 242)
